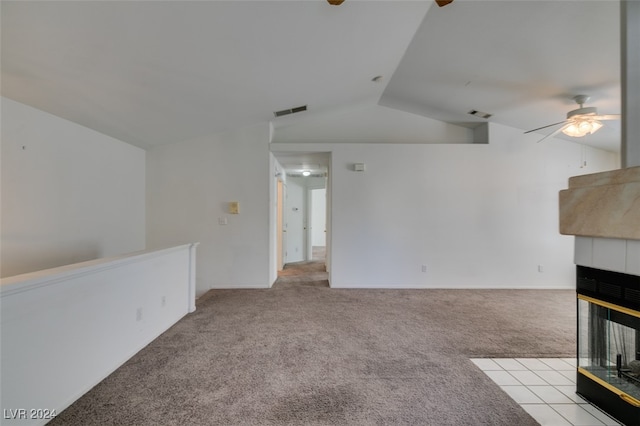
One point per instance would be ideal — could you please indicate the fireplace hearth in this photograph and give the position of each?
(609, 341)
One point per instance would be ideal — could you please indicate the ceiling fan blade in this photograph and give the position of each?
(607, 117)
(555, 132)
(440, 3)
(544, 127)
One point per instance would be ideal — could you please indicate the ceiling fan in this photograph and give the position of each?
(438, 2)
(580, 122)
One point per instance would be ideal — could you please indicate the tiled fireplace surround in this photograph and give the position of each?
(602, 211)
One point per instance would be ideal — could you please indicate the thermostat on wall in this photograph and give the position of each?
(358, 167)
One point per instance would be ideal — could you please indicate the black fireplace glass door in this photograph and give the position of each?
(609, 345)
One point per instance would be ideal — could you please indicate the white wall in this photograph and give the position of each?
(69, 194)
(474, 215)
(66, 329)
(189, 187)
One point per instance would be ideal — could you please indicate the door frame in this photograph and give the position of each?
(275, 247)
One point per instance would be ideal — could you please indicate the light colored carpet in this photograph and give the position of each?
(302, 353)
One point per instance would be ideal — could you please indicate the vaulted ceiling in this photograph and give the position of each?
(157, 72)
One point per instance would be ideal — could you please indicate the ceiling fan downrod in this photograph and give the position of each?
(581, 99)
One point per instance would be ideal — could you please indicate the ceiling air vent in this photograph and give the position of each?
(290, 111)
(479, 113)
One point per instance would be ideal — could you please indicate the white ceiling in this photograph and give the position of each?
(522, 61)
(156, 72)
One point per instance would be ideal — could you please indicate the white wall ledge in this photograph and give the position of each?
(34, 280)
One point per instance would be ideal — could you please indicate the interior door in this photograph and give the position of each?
(294, 210)
(281, 225)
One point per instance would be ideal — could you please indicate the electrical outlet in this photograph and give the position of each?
(139, 314)
(540, 268)
(424, 268)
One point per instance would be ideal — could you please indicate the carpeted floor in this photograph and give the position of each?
(302, 353)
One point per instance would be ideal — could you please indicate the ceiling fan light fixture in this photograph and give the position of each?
(580, 122)
(581, 128)
(595, 126)
(574, 131)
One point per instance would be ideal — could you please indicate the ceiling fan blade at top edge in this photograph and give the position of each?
(607, 117)
(544, 127)
(555, 132)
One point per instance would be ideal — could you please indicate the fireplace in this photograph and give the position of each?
(609, 341)
(602, 211)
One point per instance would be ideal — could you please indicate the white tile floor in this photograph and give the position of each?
(545, 388)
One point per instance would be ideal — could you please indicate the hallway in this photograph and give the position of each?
(311, 273)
